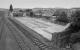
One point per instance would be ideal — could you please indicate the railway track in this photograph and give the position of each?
(17, 37)
(2, 32)
(34, 40)
(1, 29)
(1, 25)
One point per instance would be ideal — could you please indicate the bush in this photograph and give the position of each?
(62, 19)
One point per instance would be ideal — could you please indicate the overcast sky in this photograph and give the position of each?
(40, 3)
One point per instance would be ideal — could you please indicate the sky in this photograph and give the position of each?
(40, 3)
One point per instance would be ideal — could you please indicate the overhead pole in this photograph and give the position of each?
(11, 6)
(11, 9)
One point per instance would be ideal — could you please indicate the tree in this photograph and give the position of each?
(76, 16)
(11, 8)
(28, 10)
(71, 35)
(62, 17)
(20, 10)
